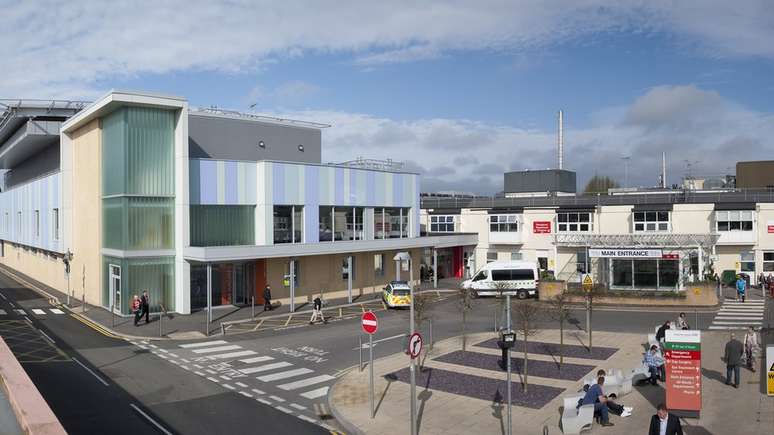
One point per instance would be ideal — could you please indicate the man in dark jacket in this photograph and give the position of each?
(661, 333)
(733, 357)
(267, 298)
(664, 423)
(145, 306)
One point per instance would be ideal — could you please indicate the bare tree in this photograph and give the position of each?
(560, 311)
(465, 298)
(422, 307)
(526, 315)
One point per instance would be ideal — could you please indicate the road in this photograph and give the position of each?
(97, 384)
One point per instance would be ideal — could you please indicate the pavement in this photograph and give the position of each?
(470, 399)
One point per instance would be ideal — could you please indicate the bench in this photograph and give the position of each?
(576, 419)
(615, 382)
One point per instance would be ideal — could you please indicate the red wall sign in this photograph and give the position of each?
(770, 228)
(541, 227)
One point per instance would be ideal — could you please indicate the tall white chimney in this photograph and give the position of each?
(663, 170)
(560, 142)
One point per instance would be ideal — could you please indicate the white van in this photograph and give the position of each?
(520, 279)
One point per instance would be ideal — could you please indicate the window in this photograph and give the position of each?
(734, 220)
(580, 264)
(19, 224)
(442, 223)
(480, 276)
(347, 265)
(574, 222)
(341, 223)
(768, 261)
(378, 265)
(37, 223)
(512, 275)
(55, 223)
(288, 223)
(391, 223)
(355, 217)
(747, 261)
(491, 256)
(515, 256)
(651, 221)
(504, 223)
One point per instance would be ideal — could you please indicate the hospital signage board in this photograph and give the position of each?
(625, 253)
(770, 226)
(682, 354)
(770, 372)
(541, 227)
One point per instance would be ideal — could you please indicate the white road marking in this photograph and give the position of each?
(737, 318)
(198, 366)
(229, 386)
(212, 372)
(241, 384)
(2, 312)
(297, 406)
(184, 360)
(213, 379)
(225, 378)
(185, 367)
(174, 361)
(284, 375)
(264, 401)
(200, 374)
(20, 311)
(232, 354)
(266, 367)
(147, 417)
(740, 322)
(305, 418)
(38, 311)
(283, 409)
(217, 349)
(306, 382)
(314, 394)
(257, 391)
(206, 343)
(256, 359)
(277, 399)
(3, 296)
(90, 371)
(56, 310)
(164, 351)
(246, 394)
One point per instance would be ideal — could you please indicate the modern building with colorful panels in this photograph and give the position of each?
(139, 192)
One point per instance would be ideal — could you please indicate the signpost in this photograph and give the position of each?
(588, 286)
(414, 345)
(770, 366)
(683, 372)
(370, 325)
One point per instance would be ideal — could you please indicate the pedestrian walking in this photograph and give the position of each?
(664, 423)
(595, 396)
(682, 322)
(733, 356)
(750, 347)
(741, 287)
(136, 307)
(655, 363)
(317, 311)
(267, 298)
(145, 306)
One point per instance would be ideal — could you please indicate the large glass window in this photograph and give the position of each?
(645, 221)
(734, 220)
(136, 222)
(747, 261)
(326, 224)
(622, 273)
(491, 256)
(574, 222)
(668, 273)
(768, 261)
(391, 223)
(504, 223)
(288, 223)
(355, 216)
(55, 223)
(222, 225)
(580, 262)
(156, 275)
(645, 273)
(442, 223)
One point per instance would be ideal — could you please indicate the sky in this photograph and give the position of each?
(460, 91)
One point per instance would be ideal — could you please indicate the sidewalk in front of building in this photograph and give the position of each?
(725, 409)
(180, 326)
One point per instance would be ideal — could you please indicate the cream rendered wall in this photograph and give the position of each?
(538, 245)
(44, 268)
(764, 216)
(614, 219)
(87, 211)
(692, 218)
(476, 221)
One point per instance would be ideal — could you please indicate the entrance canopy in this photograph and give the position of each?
(657, 240)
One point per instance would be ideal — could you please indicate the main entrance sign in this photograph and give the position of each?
(625, 253)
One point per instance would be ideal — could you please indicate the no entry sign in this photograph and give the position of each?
(368, 322)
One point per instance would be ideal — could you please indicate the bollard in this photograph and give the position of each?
(222, 329)
(360, 351)
(252, 303)
(206, 324)
(161, 318)
(430, 333)
(113, 314)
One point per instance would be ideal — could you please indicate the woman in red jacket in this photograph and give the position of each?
(136, 309)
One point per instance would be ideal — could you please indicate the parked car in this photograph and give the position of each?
(397, 294)
(514, 278)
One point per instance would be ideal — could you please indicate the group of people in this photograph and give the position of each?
(737, 352)
(141, 307)
(603, 404)
(767, 283)
(653, 357)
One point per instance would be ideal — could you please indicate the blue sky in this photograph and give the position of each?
(461, 91)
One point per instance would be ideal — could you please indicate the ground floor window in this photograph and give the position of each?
(516, 256)
(747, 261)
(650, 273)
(378, 265)
(768, 261)
(581, 262)
(156, 275)
(232, 284)
(491, 256)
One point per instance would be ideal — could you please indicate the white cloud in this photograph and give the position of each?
(465, 155)
(64, 47)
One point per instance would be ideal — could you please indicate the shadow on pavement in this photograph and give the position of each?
(713, 374)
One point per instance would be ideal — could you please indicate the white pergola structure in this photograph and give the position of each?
(680, 242)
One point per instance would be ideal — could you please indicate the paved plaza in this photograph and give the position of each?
(464, 392)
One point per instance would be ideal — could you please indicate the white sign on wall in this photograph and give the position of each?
(625, 253)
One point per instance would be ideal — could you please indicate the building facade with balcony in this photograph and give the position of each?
(653, 241)
(200, 208)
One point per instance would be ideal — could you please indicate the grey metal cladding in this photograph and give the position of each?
(547, 180)
(42, 163)
(212, 137)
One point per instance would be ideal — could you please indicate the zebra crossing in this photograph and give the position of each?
(35, 311)
(735, 314)
(252, 374)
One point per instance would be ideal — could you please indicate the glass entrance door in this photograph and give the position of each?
(115, 287)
